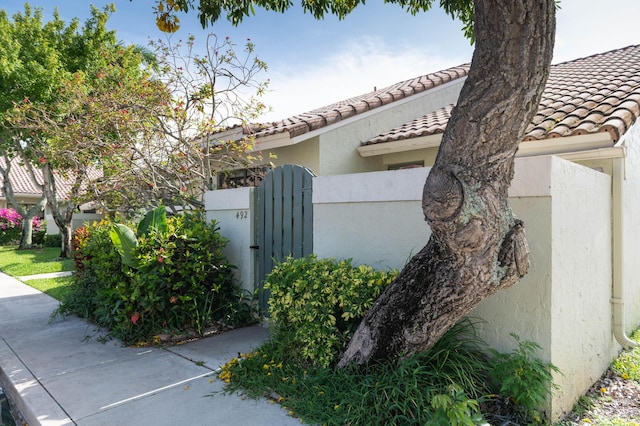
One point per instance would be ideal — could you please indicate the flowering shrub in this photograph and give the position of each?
(180, 282)
(11, 225)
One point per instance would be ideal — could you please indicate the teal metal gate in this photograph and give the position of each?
(284, 220)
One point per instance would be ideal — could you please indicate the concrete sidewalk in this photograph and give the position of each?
(59, 373)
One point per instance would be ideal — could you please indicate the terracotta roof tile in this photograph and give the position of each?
(23, 185)
(599, 93)
(331, 114)
(429, 124)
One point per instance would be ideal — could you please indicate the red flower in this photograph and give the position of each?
(135, 317)
(160, 259)
(42, 160)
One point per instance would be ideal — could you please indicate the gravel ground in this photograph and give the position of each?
(610, 401)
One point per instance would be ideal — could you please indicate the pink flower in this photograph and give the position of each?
(160, 259)
(135, 317)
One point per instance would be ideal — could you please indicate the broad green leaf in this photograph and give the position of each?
(125, 241)
(154, 219)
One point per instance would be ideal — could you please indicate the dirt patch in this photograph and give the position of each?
(611, 398)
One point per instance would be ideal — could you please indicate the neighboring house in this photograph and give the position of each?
(27, 194)
(581, 294)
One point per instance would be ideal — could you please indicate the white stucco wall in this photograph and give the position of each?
(563, 303)
(233, 212)
(374, 218)
(525, 308)
(581, 331)
(78, 220)
(631, 221)
(338, 154)
(305, 154)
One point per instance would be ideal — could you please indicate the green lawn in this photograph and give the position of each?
(54, 287)
(34, 261)
(19, 263)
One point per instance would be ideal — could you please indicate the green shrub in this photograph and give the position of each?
(523, 379)
(39, 236)
(180, 280)
(52, 240)
(315, 307)
(316, 304)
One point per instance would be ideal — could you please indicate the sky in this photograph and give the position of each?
(314, 63)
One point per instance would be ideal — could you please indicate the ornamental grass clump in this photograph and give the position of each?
(439, 387)
(170, 276)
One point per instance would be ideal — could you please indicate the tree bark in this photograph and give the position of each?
(477, 246)
(62, 214)
(26, 237)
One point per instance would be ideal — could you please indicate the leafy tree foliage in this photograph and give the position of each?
(139, 118)
(64, 78)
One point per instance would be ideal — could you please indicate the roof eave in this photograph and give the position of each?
(276, 140)
(565, 145)
(404, 145)
(282, 139)
(571, 147)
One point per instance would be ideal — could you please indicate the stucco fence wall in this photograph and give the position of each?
(78, 220)
(563, 303)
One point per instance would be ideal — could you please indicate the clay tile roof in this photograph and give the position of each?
(429, 124)
(23, 185)
(599, 93)
(20, 180)
(331, 114)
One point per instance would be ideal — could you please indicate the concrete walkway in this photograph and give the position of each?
(49, 275)
(62, 373)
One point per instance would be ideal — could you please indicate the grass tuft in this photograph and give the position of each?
(627, 365)
(402, 392)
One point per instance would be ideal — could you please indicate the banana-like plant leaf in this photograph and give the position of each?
(125, 241)
(154, 219)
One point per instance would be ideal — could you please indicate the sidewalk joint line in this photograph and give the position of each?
(38, 381)
(142, 395)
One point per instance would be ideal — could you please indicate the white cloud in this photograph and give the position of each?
(587, 27)
(584, 27)
(351, 71)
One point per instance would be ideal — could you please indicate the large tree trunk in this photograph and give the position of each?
(477, 247)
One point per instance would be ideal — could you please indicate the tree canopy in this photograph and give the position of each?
(236, 10)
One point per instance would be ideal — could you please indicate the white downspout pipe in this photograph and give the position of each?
(617, 291)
